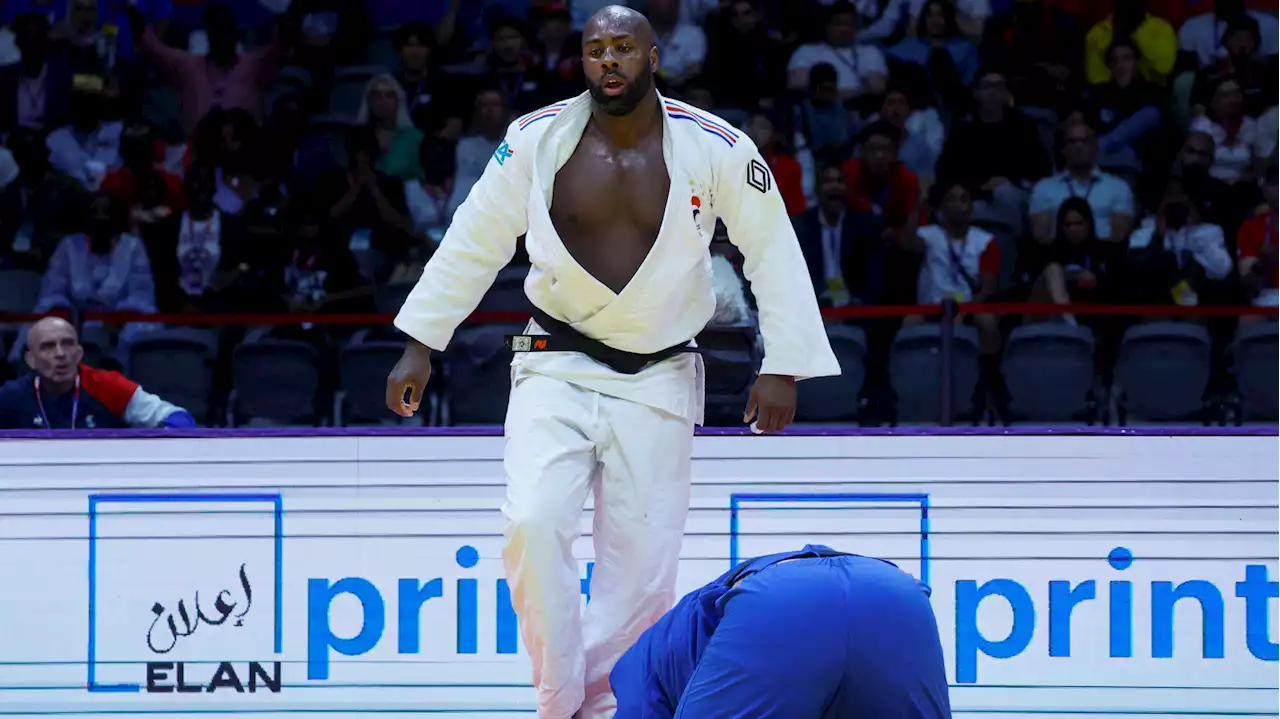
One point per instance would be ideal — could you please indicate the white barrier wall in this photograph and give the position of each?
(1078, 576)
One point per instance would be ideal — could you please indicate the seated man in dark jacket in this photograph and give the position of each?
(62, 393)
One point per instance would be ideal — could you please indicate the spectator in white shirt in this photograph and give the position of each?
(860, 69)
(89, 146)
(1176, 253)
(1233, 132)
(1108, 196)
(959, 262)
(474, 151)
(681, 45)
(1203, 33)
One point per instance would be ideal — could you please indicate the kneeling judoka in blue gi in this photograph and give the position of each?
(813, 634)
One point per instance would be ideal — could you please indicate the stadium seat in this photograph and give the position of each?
(731, 357)
(294, 76)
(835, 399)
(1049, 371)
(176, 364)
(382, 51)
(1255, 352)
(19, 290)
(347, 92)
(275, 380)
(389, 298)
(915, 372)
(507, 293)
(477, 369)
(363, 367)
(1162, 372)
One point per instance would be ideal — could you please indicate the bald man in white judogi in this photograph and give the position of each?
(617, 192)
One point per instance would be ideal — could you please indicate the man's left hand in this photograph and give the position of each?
(772, 403)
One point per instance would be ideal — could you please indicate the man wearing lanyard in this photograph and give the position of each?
(861, 69)
(1108, 196)
(62, 393)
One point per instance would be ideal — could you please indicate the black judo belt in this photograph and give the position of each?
(561, 337)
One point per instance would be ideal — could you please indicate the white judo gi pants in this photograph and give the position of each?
(561, 442)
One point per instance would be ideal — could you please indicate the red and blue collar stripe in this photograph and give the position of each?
(544, 113)
(707, 125)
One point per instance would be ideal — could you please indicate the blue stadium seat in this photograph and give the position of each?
(1049, 371)
(477, 369)
(275, 380)
(1162, 372)
(915, 372)
(347, 92)
(835, 399)
(363, 367)
(19, 290)
(507, 293)
(176, 364)
(731, 358)
(1256, 358)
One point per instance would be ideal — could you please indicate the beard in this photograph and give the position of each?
(625, 103)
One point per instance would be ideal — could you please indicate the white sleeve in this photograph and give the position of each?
(419, 205)
(870, 61)
(480, 241)
(885, 25)
(1201, 123)
(1123, 203)
(1041, 198)
(1269, 29)
(1211, 252)
(66, 155)
(1141, 238)
(747, 199)
(1264, 142)
(802, 58)
(147, 410)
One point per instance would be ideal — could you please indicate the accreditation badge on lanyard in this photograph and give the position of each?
(837, 292)
(957, 266)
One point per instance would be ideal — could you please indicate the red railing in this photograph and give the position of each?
(946, 312)
(833, 313)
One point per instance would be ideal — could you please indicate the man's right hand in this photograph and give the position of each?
(410, 375)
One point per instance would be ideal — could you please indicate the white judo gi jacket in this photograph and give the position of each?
(715, 172)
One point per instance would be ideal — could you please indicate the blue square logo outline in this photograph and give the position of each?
(738, 500)
(274, 499)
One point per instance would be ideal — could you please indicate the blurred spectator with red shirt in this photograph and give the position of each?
(138, 151)
(880, 184)
(1256, 250)
(786, 170)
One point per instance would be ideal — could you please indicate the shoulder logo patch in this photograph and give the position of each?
(503, 152)
(758, 176)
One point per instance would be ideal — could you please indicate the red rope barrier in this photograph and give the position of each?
(516, 317)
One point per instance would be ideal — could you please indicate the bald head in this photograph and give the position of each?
(54, 351)
(46, 327)
(615, 20)
(619, 59)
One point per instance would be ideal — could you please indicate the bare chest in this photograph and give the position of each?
(608, 206)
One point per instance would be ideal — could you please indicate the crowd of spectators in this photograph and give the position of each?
(306, 156)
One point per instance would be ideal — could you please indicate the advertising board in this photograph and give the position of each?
(1071, 575)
